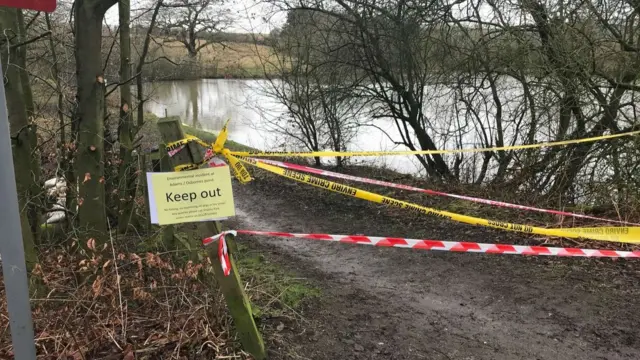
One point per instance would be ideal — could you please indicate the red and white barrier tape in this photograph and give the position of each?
(432, 192)
(448, 245)
(223, 251)
(176, 150)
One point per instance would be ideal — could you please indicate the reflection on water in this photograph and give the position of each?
(207, 104)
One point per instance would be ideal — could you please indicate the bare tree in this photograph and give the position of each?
(576, 68)
(321, 113)
(385, 47)
(485, 73)
(194, 23)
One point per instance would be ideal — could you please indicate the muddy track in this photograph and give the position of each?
(387, 303)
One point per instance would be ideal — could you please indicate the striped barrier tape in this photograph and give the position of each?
(455, 246)
(614, 234)
(223, 250)
(244, 177)
(175, 150)
(316, 171)
(223, 254)
(427, 152)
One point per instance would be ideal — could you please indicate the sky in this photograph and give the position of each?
(249, 14)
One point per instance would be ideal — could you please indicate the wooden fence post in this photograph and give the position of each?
(168, 231)
(231, 285)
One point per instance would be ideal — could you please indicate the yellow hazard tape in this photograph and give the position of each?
(614, 234)
(188, 139)
(239, 170)
(631, 232)
(186, 167)
(426, 152)
(218, 146)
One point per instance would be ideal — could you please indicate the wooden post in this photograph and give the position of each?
(168, 231)
(231, 286)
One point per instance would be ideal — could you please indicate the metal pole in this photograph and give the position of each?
(14, 268)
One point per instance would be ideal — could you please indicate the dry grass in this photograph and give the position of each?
(238, 60)
(118, 303)
(131, 299)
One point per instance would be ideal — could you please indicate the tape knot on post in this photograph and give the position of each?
(223, 250)
(240, 172)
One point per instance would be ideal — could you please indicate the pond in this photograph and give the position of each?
(208, 103)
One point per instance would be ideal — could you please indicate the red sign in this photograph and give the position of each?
(39, 5)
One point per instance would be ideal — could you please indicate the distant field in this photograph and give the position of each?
(237, 60)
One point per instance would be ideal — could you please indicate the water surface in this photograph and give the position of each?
(207, 104)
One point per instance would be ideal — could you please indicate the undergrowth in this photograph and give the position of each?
(134, 299)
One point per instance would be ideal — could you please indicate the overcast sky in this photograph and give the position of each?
(249, 15)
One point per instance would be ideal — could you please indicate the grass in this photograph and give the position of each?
(275, 291)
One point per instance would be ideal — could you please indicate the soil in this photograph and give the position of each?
(389, 303)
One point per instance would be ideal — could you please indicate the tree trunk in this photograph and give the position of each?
(126, 173)
(426, 143)
(89, 116)
(192, 46)
(36, 203)
(19, 126)
(194, 97)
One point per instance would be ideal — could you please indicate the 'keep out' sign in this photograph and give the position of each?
(39, 5)
(190, 196)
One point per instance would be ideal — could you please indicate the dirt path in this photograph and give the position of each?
(386, 303)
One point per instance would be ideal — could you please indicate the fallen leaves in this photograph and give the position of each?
(136, 259)
(97, 286)
(83, 314)
(128, 353)
(105, 267)
(140, 294)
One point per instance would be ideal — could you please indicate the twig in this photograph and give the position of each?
(113, 251)
(44, 34)
(115, 86)
(161, 58)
